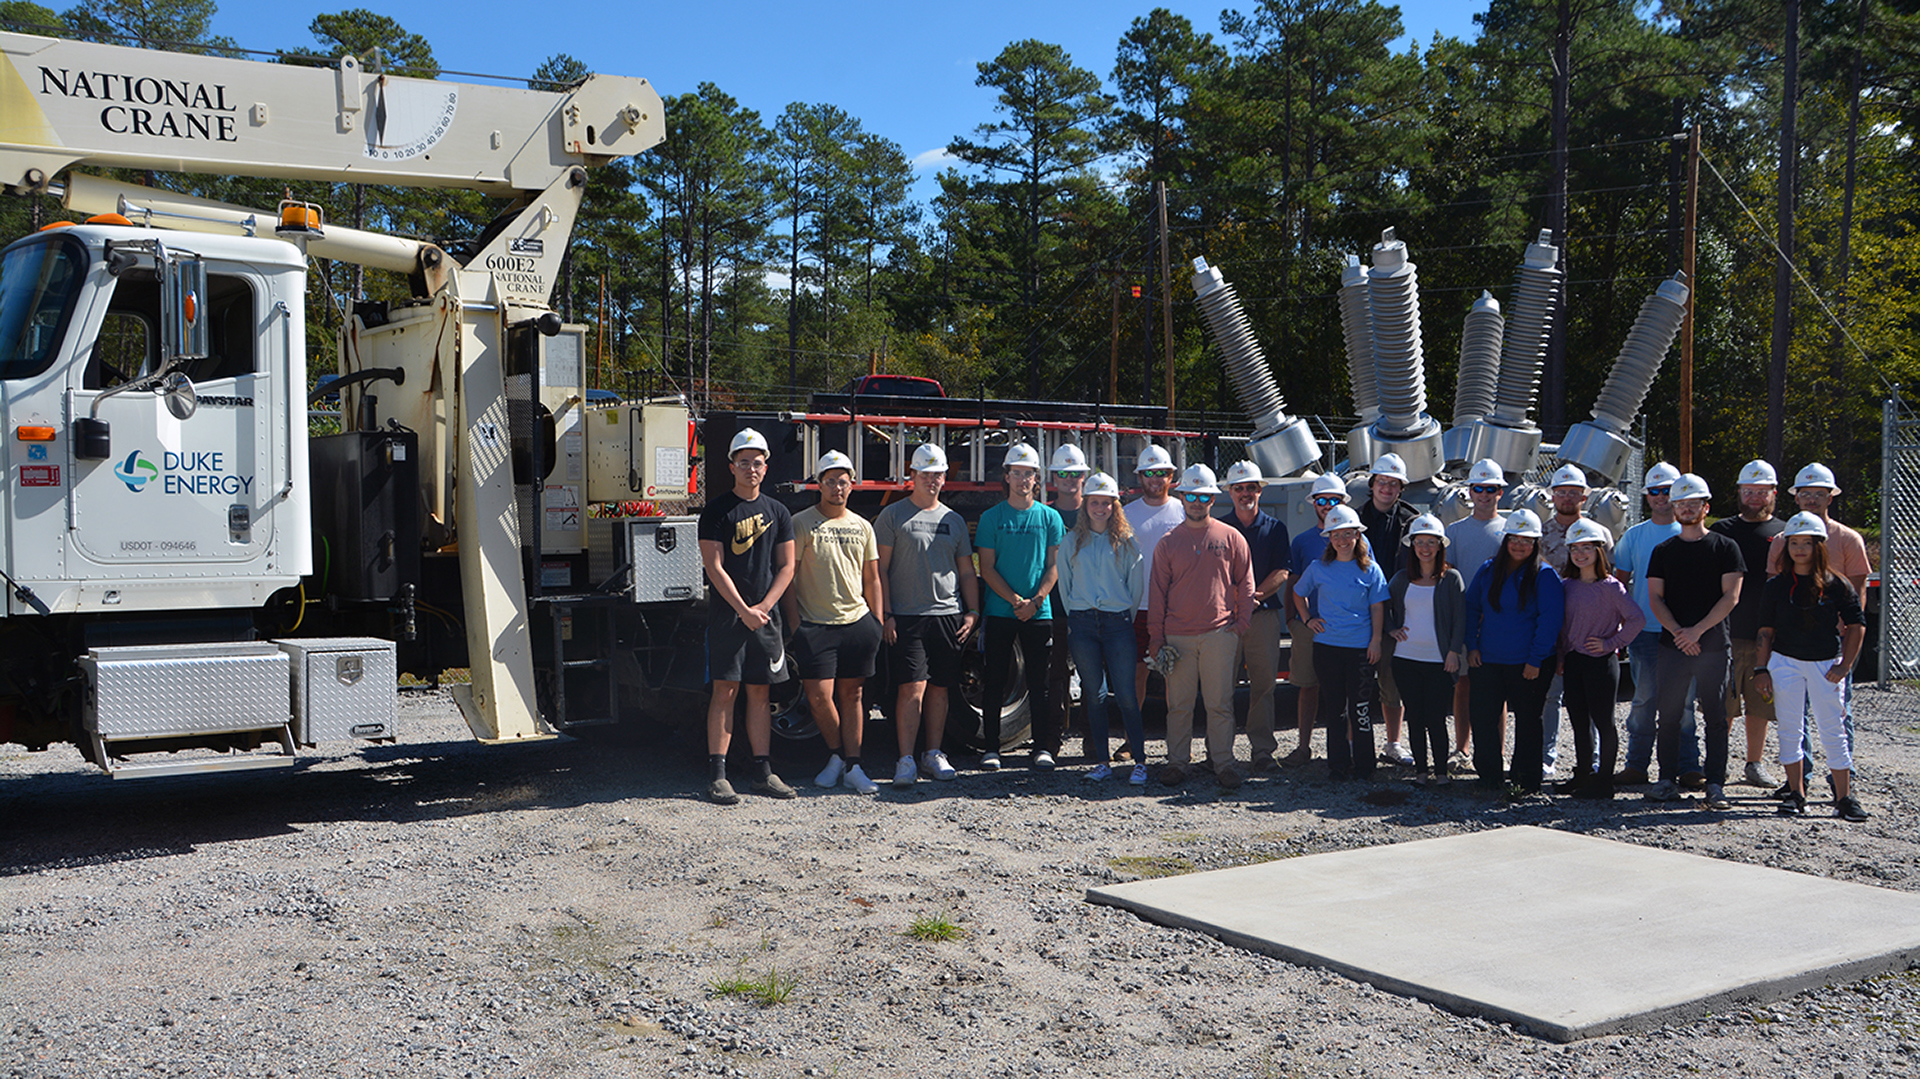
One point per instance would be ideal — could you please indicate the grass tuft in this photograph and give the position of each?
(935, 927)
(766, 990)
(1152, 865)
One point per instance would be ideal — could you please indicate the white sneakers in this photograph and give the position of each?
(830, 775)
(1043, 760)
(906, 773)
(856, 781)
(934, 763)
(990, 762)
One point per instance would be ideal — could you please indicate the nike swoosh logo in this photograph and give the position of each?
(742, 548)
(779, 664)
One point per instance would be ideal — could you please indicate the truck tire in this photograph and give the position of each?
(963, 708)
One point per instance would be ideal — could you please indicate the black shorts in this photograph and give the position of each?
(926, 648)
(750, 657)
(843, 651)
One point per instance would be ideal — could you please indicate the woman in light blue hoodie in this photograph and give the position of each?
(1514, 609)
(1102, 581)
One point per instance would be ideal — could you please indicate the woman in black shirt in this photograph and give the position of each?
(1811, 630)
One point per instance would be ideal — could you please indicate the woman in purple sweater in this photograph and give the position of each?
(1601, 618)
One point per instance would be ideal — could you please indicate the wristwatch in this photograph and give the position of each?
(1761, 670)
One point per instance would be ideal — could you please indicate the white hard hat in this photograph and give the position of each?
(1569, 476)
(1329, 485)
(1152, 457)
(1487, 471)
(1021, 455)
(1806, 524)
(1068, 458)
(1690, 486)
(1521, 523)
(1424, 525)
(1588, 530)
(1759, 471)
(1244, 472)
(1661, 475)
(1339, 517)
(929, 458)
(1101, 484)
(1816, 475)
(747, 439)
(1390, 466)
(831, 460)
(1198, 480)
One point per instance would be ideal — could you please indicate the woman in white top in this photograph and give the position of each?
(1427, 617)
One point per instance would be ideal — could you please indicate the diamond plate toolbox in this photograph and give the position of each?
(159, 691)
(343, 688)
(664, 553)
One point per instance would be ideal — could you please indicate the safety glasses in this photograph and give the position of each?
(1327, 500)
(1660, 492)
(1158, 473)
(1486, 489)
(1196, 496)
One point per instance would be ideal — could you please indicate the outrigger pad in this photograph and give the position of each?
(1568, 936)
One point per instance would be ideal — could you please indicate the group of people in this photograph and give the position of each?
(1496, 618)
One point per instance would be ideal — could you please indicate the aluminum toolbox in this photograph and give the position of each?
(343, 688)
(173, 690)
(663, 551)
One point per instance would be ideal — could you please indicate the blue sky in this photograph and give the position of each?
(905, 70)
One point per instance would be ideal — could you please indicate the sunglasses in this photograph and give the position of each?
(1068, 475)
(1196, 496)
(1245, 488)
(1326, 500)
(1158, 473)
(1487, 489)
(1661, 492)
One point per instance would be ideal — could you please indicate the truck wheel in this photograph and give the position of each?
(963, 708)
(792, 716)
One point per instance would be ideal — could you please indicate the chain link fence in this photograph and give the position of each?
(1899, 541)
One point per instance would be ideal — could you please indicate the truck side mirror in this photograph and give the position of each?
(177, 389)
(183, 308)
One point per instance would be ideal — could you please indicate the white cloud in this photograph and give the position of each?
(934, 158)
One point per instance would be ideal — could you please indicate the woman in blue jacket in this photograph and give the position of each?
(1514, 609)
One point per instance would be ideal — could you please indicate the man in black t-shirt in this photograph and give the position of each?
(1752, 530)
(746, 545)
(1385, 518)
(1693, 583)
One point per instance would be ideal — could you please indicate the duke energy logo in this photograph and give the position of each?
(135, 473)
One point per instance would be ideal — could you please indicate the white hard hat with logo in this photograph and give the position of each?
(1588, 530)
(1806, 524)
(747, 439)
(1759, 471)
(1389, 466)
(831, 460)
(1244, 472)
(1068, 458)
(1816, 475)
(1198, 480)
(1101, 484)
(1690, 486)
(1521, 523)
(1339, 517)
(1021, 455)
(1425, 525)
(929, 458)
(1486, 472)
(1329, 486)
(1569, 476)
(1661, 475)
(1152, 457)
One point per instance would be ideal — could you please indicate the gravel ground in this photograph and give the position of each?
(439, 908)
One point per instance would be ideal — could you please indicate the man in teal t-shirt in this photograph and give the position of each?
(1017, 540)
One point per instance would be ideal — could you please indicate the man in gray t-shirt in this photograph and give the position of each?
(1470, 542)
(927, 545)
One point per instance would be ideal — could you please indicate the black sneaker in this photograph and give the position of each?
(1783, 792)
(1847, 808)
(1792, 806)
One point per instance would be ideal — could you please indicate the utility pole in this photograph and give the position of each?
(1783, 266)
(1113, 357)
(1166, 293)
(1688, 242)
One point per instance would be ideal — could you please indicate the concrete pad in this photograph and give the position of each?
(1570, 936)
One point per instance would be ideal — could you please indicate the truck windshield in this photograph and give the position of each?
(38, 285)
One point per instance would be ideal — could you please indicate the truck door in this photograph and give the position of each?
(176, 492)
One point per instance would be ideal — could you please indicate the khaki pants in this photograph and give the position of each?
(1740, 687)
(1206, 665)
(1300, 672)
(1260, 655)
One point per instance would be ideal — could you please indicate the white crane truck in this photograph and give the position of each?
(193, 582)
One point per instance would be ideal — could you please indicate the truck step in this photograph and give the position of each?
(231, 762)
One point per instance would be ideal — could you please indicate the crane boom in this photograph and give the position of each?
(72, 102)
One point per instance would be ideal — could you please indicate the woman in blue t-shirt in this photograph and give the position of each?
(1342, 598)
(1514, 609)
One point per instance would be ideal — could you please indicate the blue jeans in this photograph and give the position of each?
(1104, 654)
(1641, 715)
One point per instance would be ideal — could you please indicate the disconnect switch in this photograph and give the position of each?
(239, 524)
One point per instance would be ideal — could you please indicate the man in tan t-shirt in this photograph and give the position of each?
(833, 604)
